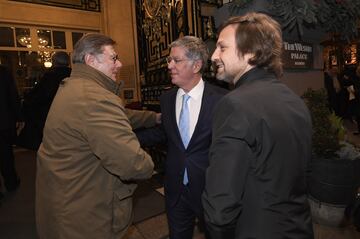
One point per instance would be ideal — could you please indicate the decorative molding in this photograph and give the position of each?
(87, 5)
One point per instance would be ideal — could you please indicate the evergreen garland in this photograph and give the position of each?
(334, 16)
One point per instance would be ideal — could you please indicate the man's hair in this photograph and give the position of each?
(91, 43)
(60, 58)
(195, 49)
(258, 34)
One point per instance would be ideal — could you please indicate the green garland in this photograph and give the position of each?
(334, 16)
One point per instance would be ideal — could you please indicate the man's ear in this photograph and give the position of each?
(89, 59)
(197, 66)
(248, 57)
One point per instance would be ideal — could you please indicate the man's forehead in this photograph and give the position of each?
(227, 35)
(109, 49)
(178, 51)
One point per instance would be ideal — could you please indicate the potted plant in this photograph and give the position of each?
(334, 173)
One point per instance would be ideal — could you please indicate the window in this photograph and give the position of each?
(7, 36)
(28, 58)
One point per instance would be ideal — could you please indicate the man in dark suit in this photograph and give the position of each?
(256, 184)
(187, 159)
(38, 101)
(9, 111)
(333, 88)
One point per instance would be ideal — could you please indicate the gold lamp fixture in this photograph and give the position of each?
(25, 40)
(44, 51)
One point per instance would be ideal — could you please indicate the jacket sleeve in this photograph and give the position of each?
(112, 140)
(227, 172)
(141, 118)
(151, 136)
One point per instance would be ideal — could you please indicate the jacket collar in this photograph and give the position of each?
(254, 74)
(90, 73)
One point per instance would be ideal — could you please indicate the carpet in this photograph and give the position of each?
(147, 202)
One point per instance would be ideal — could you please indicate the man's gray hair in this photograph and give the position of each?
(91, 43)
(195, 49)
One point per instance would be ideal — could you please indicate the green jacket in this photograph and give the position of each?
(88, 160)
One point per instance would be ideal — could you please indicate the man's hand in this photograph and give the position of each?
(19, 126)
(158, 118)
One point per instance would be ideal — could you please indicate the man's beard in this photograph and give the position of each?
(224, 77)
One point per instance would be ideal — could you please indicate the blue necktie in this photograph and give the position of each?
(184, 127)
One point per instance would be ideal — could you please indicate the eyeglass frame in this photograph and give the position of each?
(115, 58)
(169, 59)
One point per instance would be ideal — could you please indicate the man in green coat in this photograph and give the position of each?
(89, 157)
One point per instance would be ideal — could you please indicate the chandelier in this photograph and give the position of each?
(25, 40)
(44, 51)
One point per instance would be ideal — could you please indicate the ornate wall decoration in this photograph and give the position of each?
(157, 29)
(159, 22)
(180, 20)
(208, 27)
(152, 7)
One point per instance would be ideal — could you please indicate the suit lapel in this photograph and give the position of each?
(207, 101)
(204, 111)
(171, 104)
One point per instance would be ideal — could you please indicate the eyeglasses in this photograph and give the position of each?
(115, 58)
(169, 59)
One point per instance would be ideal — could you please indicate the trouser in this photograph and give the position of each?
(182, 217)
(7, 165)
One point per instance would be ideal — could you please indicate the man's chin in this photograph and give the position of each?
(219, 76)
(173, 80)
(222, 77)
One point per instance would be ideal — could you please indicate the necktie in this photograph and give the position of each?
(184, 127)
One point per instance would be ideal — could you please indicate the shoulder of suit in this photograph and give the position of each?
(169, 92)
(216, 89)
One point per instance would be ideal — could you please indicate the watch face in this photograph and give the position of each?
(152, 7)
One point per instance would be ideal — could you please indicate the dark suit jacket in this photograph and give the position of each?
(9, 100)
(38, 101)
(256, 184)
(195, 157)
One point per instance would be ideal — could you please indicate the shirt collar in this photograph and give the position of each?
(195, 92)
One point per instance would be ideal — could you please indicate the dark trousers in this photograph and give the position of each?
(7, 165)
(182, 217)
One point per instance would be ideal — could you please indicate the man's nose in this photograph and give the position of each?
(119, 64)
(215, 55)
(170, 65)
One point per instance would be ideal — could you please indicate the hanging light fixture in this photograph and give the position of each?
(44, 49)
(24, 40)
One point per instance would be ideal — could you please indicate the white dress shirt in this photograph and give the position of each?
(194, 104)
